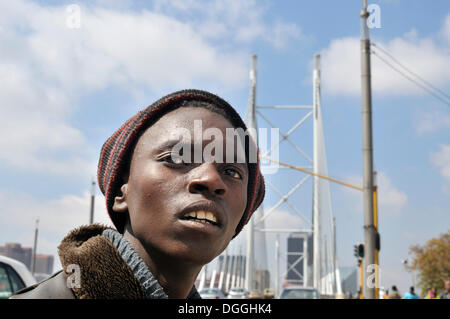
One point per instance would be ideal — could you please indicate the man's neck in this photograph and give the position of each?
(175, 277)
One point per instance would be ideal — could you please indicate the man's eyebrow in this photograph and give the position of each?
(168, 144)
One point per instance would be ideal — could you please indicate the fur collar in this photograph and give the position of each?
(104, 274)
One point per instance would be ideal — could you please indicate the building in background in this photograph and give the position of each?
(299, 263)
(17, 252)
(349, 280)
(44, 264)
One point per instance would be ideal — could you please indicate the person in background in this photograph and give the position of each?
(410, 294)
(431, 293)
(394, 293)
(446, 293)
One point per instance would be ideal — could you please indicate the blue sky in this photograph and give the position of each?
(67, 89)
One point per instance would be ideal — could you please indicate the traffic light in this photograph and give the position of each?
(361, 250)
(358, 251)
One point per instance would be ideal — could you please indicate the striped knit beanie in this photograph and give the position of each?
(117, 150)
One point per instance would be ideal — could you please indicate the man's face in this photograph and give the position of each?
(447, 285)
(169, 202)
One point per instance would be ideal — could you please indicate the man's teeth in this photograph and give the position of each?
(203, 215)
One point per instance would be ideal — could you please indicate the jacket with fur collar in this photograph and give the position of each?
(101, 270)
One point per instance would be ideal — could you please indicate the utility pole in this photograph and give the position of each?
(377, 241)
(361, 279)
(91, 218)
(369, 229)
(33, 265)
(249, 265)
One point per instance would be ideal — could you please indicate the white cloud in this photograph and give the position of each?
(243, 21)
(441, 160)
(46, 67)
(391, 199)
(340, 67)
(278, 219)
(281, 219)
(424, 56)
(56, 218)
(128, 49)
(115, 4)
(34, 126)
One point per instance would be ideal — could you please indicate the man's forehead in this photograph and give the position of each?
(171, 136)
(186, 129)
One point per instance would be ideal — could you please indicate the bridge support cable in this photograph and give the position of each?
(321, 265)
(284, 199)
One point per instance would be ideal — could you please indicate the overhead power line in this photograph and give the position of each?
(419, 81)
(412, 80)
(408, 70)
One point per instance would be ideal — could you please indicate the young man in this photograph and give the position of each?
(175, 203)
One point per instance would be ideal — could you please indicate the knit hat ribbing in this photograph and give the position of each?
(118, 148)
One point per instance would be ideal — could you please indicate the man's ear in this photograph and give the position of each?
(120, 202)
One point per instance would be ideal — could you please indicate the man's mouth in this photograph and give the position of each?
(202, 216)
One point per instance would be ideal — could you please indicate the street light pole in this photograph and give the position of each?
(33, 264)
(369, 228)
(91, 216)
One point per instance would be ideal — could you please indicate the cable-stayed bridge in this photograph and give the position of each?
(290, 240)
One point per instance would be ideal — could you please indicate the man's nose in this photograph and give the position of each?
(207, 179)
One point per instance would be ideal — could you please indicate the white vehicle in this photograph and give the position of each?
(237, 293)
(299, 292)
(211, 293)
(14, 276)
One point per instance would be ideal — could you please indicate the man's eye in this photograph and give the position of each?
(233, 173)
(173, 159)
